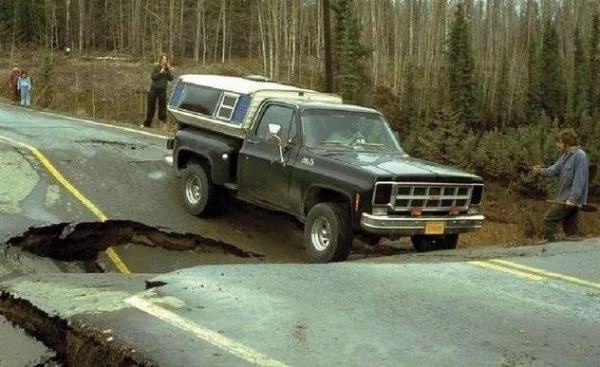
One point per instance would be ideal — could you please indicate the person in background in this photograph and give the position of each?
(13, 79)
(24, 86)
(161, 75)
(572, 171)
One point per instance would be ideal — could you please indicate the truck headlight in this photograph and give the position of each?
(380, 210)
(383, 193)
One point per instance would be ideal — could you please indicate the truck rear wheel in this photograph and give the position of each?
(200, 196)
(424, 243)
(327, 233)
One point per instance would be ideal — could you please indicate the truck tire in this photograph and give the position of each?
(200, 196)
(424, 243)
(327, 233)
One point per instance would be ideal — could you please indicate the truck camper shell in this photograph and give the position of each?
(227, 104)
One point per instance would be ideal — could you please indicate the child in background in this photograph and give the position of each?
(13, 79)
(24, 85)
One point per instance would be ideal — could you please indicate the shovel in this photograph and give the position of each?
(583, 208)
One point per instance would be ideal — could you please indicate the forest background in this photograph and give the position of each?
(479, 84)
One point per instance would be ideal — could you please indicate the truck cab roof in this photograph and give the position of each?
(302, 105)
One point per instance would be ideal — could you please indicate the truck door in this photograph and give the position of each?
(262, 176)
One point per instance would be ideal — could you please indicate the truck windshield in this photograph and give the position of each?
(339, 129)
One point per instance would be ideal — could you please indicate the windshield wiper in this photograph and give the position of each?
(335, 143)
(374, 146)
(369, 145)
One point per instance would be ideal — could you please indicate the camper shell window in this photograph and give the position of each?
(200, 99)
(227, 106)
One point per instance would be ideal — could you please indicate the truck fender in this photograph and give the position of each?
(318, 194)
(212, 152)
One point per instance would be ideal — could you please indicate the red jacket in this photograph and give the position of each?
(13, 78)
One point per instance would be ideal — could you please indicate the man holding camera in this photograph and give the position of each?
(161, 76)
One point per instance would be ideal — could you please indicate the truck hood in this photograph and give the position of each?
(395, 166)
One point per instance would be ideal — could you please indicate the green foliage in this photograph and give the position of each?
(442, 139)
(409, 108)
(552, 84)
(502, 117)
(533, 107)
(463, 86)
(579, 94)
(589, 136)
(500, 153)
(386, 101)
(351, 80)
(594, 62)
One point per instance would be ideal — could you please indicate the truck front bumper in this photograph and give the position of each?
(408, 226)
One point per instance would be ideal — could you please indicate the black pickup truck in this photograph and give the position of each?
(338, 168)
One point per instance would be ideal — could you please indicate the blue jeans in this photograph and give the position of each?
(25, 97)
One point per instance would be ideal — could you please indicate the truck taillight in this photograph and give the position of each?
(383, 193)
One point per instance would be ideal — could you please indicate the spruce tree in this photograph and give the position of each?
(594, 59)
(409, 110)
(579, 98)
(533, 107)
(462, 80)
(350, 80)
(502, 93)
(552, 87)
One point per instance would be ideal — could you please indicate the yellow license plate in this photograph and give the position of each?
(435, 227)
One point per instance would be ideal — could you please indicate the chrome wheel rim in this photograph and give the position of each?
(321, 234)
(193, 194)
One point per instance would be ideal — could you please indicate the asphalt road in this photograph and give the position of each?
(519, 307)
(476, 307)
(121, 171)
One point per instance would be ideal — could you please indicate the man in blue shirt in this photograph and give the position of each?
(572, 171)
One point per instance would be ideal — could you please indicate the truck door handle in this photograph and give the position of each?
(252, 141)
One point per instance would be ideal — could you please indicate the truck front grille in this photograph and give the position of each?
(433, 198)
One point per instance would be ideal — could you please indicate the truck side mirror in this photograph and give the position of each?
(274, 136)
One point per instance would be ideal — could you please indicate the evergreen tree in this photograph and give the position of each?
(502, 93)
(594, 59)
(579, 99)
(463, 86)
(409, 110)
(533, 107)
(442, 138)
(552, 88)
(350, 80)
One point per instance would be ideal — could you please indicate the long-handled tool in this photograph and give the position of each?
(583, 208)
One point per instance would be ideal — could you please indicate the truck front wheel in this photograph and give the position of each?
(424, 243)
(200, 195)
(327, 233)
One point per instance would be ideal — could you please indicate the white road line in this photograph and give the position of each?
(210, 336)
(103, 124)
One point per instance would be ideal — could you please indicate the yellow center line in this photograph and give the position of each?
(549, 274)
(488, 265)
(67, 185)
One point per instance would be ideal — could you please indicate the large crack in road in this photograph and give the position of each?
(83, 241)
(75, 247)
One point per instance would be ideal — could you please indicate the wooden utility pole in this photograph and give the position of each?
(327, 41)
